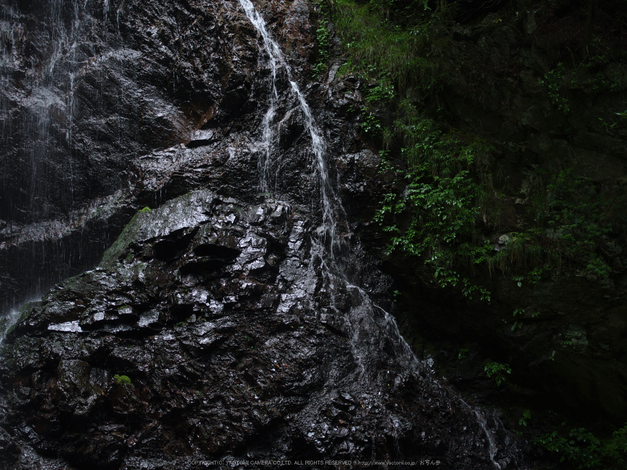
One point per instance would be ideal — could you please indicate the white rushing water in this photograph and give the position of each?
(367, 324)
(7, 322)
(484, 425)
(364, 317)
(328, 198)
(275, 60)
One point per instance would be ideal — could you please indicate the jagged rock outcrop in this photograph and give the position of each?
(211, 330)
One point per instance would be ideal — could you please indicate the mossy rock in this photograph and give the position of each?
(124, 241)
(183, 212)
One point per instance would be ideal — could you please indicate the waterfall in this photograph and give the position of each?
(41, 138)
(365, 317)
(493, 448)
(330, 202)
(274, 56)
(369, 325)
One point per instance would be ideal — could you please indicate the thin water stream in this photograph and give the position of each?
(331, 207)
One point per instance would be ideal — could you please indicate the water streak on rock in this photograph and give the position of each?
(330, 203)
(6, 322)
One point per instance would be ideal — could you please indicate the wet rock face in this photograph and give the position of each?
(88, 87)
(95, 94)
(210, 329)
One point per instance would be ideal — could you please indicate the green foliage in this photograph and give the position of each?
(555, 83)
(616, 123)
(524, 419)
(433, 219)
(379, 39)
(518, 317)
(601, 71)
(584, 450)
(525, 250)
(571, 219)
(323, 39)
(122, 379)
(393, 45)
(578, 220)
(568, 341)
(146, 210)
(383, 91)
(598, 268)
(370, 124)
(518, 311)
(397, 47)
(517, 324)
(497, 371)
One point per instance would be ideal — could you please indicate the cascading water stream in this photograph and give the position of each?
(365, 316)
(493, 448)
(273, 52)
(329, 200)
(367, 325)
(367, 321)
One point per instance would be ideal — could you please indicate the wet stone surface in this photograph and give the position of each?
(106, 107)
(213, 331)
